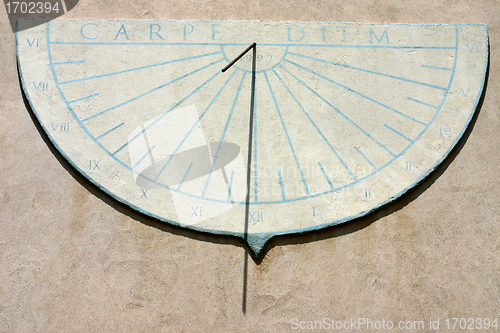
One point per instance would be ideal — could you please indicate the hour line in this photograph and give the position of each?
(111, 130)
(435, 67)
(223, 134)
(254, 144)
(286, 133)
(83, 98)
(367, 71)
(398, 133)
(230, 186)
(159, 44)
(139, 68)
(373, 46)
(68, 62)
(265, 44)
(164, 114)
(356, 92)
(143, 157)
(314, 124)
(185, 175)
(366, 158)
(150, 91)
(423, 103)
(324, 173)
(194, 126)
(340, 113)
(281, 185)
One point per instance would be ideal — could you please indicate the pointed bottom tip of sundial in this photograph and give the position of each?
(257, 243)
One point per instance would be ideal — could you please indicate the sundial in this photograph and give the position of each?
(310, 124)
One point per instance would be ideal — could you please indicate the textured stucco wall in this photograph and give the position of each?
(74, 260)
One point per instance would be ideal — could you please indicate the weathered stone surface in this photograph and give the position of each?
(320, 123)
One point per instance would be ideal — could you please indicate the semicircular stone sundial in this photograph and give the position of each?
(315, 125)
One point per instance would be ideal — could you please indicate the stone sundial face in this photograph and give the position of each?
(317, 124)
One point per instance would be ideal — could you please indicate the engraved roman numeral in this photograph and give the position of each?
(256, 217)
(196, 211)
(61, 127)
(42, 86)
(34, 41)
(94, 165)
(410, 165)
(474, 46)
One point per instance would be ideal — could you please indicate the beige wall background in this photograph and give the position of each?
(74, 260)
